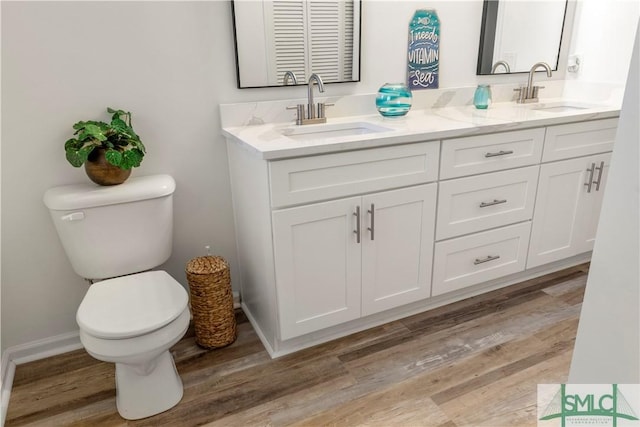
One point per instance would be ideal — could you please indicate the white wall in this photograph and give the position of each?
(603, 35)
(608, 343)
(171, 64)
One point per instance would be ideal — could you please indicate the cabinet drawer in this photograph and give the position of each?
(466, 261)
(488, 153)
(468, 205)
(330, 176)
(579, 139)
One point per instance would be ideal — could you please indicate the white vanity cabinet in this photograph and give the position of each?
(484, 219)
(570, 191)
(330, 243)
(339, 260)
(328, 239)
(567, 208)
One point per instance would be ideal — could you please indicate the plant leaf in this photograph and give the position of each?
(139, 145)
(73, 144)
(114, 157)
(78, 156)
(93, 131)
(119, 125)
(131, 158)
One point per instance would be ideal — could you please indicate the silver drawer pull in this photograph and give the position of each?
(499, 153)
(372, 212)
(599, 180)
(495, 202)
(357, 230)
(589, 183)
(487, 259)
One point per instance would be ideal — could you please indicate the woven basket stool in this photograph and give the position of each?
(211, 301)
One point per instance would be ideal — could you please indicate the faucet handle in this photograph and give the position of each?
(322, 109)
(522, 94)
(299, 112)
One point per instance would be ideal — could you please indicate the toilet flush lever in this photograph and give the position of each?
(75, 216)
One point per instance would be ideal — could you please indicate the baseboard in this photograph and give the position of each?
(8, 369)
(258, 331)
(29, 352)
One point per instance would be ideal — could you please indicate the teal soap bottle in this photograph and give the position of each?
(482, 97)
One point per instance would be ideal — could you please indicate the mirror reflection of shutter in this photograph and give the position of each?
(327, 42)
(285, 33)
(348, 20)
(309, 36)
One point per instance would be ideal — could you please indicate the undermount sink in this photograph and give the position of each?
(561, 107)
(332, 130)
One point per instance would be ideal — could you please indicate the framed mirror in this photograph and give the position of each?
(520, 33)
(301, 36)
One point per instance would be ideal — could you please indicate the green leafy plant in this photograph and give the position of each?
(122, 145)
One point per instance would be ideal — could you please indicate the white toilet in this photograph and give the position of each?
(128, 319)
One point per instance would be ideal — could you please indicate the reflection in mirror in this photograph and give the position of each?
(520, 33)
(301, 36)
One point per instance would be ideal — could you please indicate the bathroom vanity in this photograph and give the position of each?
(363, 220)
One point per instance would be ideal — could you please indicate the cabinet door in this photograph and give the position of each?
(592, 203)
(317, 263)
(397, 247)
(555, 220)
(567, 208)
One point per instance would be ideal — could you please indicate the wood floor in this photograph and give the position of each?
(473, 363)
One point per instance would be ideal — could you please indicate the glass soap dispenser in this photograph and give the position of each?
(482, 97)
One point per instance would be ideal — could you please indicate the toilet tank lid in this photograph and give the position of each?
(88, 195)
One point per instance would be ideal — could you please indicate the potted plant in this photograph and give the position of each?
(108, 150)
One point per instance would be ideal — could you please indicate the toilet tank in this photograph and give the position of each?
(115, 230)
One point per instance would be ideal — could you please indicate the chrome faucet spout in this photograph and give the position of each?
(311, 108)
(530, 92)
(505, 64)
(533, 70)
(311, 114)
(289, 75)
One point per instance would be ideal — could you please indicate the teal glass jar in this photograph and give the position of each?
(482, 97)
(393, 100)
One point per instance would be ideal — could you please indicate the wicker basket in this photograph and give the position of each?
(211, 301)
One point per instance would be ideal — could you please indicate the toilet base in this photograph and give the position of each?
(148, 389)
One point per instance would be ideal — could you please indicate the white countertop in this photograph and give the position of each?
(268, 142)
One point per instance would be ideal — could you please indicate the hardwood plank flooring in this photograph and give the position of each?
(472, 363)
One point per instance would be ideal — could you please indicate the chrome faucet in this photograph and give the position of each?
(311, 107)
(530, 92)
(310, 115)
(505, 64)
(289, 75)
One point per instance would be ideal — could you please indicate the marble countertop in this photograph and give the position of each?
(269, 141)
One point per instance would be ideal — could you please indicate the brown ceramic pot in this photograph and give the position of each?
(102, 172)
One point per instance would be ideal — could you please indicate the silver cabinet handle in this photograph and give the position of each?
(499, 153)
(357, 230)
(372, 212)
(589, 183)
(487, 259)
(495, 202)
(597, 182)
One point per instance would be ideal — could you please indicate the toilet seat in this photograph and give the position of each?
(130, 306)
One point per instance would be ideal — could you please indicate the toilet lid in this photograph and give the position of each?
(132, 305)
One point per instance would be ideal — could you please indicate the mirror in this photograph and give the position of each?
(301, 36)
(520, 33)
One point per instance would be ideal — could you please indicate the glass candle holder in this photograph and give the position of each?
(393, 100)
(482, 97)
